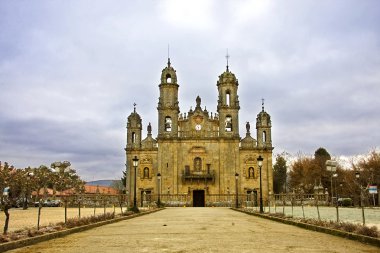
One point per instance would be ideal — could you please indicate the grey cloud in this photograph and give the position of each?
(70, 73)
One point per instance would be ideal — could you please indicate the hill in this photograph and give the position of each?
(101, 182)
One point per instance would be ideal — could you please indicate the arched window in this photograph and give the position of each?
(133, 137)
(197, 164)
(168, 78)
(168, 124)
(228, 98)
(146, 172)
(264, 136)
(251, 172)
(228, 123)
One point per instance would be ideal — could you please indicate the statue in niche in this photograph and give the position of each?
(197, 164)
(146, 172)
(251, 172)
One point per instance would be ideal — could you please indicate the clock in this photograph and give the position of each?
(198, 127)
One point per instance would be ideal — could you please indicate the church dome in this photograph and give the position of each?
(134, 116)
(134, 119)
(168, 74)
(263, 119)
(227, 77)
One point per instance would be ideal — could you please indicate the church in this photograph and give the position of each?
(198, 153)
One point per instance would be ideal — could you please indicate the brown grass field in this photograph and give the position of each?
(22, 219)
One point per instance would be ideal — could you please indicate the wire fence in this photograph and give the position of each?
(85, 205)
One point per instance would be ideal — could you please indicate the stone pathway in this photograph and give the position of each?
(199, 230)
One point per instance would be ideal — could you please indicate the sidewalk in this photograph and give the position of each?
(199, 230)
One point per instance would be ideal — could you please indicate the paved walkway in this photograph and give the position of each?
(199, 230)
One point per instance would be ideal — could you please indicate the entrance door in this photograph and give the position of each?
(198, 198)
(252, 197)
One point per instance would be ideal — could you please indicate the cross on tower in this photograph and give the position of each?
(227, 57)
(134, 107)
(168, 55)
(262, 104)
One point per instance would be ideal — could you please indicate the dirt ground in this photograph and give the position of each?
(199, 230)
(21, 219)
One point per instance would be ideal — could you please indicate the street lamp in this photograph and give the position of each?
(357, 175)
(159, 189)
(135, 161)
(331, 166)
(29, 175)
(335, 175)
(260, 164)
(237, 192)
(125, 176)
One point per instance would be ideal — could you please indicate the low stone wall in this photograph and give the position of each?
(351, 236)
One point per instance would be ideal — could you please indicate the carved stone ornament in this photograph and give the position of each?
(249, 159)
(198, 119)
(146, 160)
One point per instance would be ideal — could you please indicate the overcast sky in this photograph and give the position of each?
(70, 72)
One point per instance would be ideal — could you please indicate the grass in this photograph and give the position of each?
(70, 223)
(343, 226)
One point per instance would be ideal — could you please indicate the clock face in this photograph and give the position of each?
(198, 127)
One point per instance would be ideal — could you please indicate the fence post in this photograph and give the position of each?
(319, 216)
(104, 206)
(65, 202)
(39, 214)
(79, 202)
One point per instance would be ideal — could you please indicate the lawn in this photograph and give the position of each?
(21, 219)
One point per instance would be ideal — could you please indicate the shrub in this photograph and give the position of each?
(348, 227)
(4, 238)
(367, 231)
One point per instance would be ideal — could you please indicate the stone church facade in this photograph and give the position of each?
(199, 153)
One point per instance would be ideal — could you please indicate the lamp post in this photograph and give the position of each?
(331, 166)
(159, 189)
(357, 175)
(237, 191)
(135, 161)
(260, 164)
(335, 176)
(126, 171)
(29, 175)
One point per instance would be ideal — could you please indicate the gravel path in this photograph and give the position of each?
(199, 230)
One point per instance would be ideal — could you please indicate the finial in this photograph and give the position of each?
(134, 107)
(149, 129)
(262, 104)
(227, 57)
(168, 55)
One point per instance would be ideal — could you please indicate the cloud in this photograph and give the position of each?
(71, 71)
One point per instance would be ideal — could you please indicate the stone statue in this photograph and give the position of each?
(248, 126)
(198, 100)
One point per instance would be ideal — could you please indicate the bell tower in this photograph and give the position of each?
(134, 129)
(168, 105)
(228, 104)
(263, 129)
